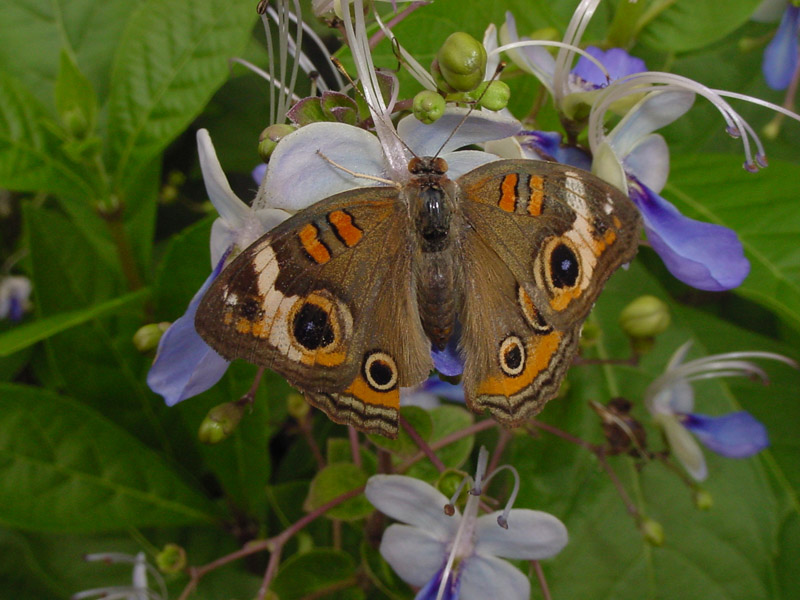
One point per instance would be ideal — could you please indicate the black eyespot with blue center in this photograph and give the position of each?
(312, 327)
(564, 266)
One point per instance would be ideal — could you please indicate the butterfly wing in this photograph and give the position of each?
(318, 300)
(540, 241)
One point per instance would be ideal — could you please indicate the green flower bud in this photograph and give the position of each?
(270, 137)
(645, 317)
(462, 61)
(703, 499)
(496, 95)
(75, 122)
(428, 106)
(147, 337)
(220, 422)
(172, 559)
(297, 407)
(590, 334)
(652, 531)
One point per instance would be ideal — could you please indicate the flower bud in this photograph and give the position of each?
(172, 559)
(76, 123)
(590, 333)
(493, 95)
(645, 317)
(703, 499)
(428, 106)
(461, 61)
(652, 531)
(270, 137)
(220, 422)
(147, 337)
(297, 407)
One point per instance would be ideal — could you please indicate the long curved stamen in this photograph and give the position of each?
(480, 471)
(462, 544)
(449, 508)
(502, 520)
(577, 25)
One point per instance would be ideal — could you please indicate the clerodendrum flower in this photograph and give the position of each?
(631, 157)
(458, 556)
(783, 52)
(138, 590)
(15, 293)
(670, 400)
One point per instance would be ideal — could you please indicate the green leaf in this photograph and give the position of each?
(683, 25)
(34, 33)
(30, 155)
(312, 573)
(447, 419)
(66, 469)
(761, 208)
(333, 481)
(28, 334)
(167, 65)
(404, 446)
(76, 102)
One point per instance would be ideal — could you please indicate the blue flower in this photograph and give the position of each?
(781, 55)
(704, 255)
(670, 400)
(458, 556)
(15, 293)
(617, 62)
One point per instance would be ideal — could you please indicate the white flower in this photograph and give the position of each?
(138, 590)
(459, 556)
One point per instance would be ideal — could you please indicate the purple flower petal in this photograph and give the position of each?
(448, 361)
(443, 389)
(703, 255)
(781, 55)
(547, 144)
(185, 365)
(431, 589)
(259, 172)
(617, 62)
(735, 435)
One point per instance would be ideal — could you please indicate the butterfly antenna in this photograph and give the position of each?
(344, 72)
(477, 102)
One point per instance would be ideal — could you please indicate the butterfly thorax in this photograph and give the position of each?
(431, 196)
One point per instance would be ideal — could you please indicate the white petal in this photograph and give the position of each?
(488, 577)
(607, 166)
(510, 148)
(652, 112)
(465, 161)
(414, 502)
(684, 447)
(414, 554)
(299, 177)
(480, 126)
(489, 44)
(649, 161)
(228, 204)
(531, 534)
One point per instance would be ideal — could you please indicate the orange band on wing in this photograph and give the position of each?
(539, 351)
(508, 193)
(537, 196)
(318, 252)
(344, 228)
(360, 390)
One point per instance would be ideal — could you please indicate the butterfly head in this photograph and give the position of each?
(427, 165)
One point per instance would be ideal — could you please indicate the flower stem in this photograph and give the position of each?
(447, 440)
(355, 449)
(423, 445)
(537, 567)
(274, 544)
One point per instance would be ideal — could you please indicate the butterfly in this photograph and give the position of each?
(347, 298)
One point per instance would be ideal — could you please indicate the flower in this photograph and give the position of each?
(782, 53)
(704, 255)
(15, 292)
(457, 556)
(138, 590)
(670, 400)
